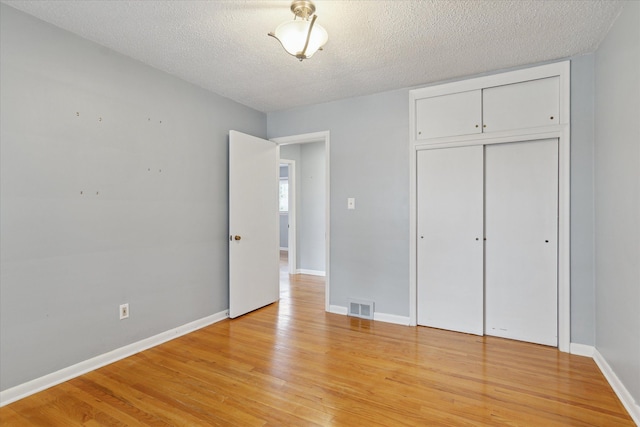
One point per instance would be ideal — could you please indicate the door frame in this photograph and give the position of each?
(291, 215)
(306, 138)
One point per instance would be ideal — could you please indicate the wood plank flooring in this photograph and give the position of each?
(292, 364)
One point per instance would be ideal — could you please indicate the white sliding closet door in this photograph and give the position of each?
(449, 246)
(521, 250)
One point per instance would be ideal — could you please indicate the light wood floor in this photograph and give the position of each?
(292, 364)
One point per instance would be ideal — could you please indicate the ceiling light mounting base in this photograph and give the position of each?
(303, 8)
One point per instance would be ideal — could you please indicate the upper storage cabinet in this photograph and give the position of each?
(526, 101)
(521, 105)
(446, 115)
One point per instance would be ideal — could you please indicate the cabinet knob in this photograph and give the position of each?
(551, 117)
(484, 126)
(477, 126)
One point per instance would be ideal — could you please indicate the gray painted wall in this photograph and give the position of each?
(582, 222)
(154, 236)
(311, 215)
(310, 203)
(284, 232)
(617, 198)
(369, 161)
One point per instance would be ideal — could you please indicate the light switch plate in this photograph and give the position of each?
(351, 203)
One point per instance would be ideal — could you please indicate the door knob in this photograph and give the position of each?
(237, 237)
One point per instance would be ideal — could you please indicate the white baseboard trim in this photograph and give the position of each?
(621, 391)
(23, 390)
(581, 349)
(310, 272)
(338, 309)
(380, 317)
(391, 318)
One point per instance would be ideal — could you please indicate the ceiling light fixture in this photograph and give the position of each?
(301, 37)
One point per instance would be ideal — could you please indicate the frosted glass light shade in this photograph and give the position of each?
(293, 35)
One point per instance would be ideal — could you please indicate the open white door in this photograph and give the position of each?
(253, 223)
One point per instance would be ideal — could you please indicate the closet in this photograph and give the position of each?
(490, 205)
(487, 239)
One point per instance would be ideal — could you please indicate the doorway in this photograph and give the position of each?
(320, 237)
(287, 212)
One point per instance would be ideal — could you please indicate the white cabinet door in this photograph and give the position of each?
(521, 105)
(449, 246)
(521, 250)
(254, 277)
(449, 115)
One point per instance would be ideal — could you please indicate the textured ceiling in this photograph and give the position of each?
(373, 46)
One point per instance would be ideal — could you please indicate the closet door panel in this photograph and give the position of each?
(449, 246)
(521, 105)
(521, 229)
(449, 115)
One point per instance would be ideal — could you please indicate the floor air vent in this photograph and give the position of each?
(360, 308)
